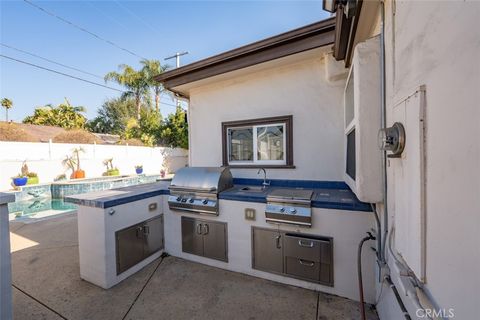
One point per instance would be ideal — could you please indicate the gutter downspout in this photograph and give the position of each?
(383, 126)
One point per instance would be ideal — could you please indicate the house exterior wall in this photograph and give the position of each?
(345, 227)
(298, 89)
(436, 44)
(5, 259)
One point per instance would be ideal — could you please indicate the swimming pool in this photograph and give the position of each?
(38, 208)
(46, 200)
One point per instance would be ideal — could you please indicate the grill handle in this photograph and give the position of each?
(188, 189)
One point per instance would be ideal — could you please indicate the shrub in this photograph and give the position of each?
(12, 132)
(76, 136)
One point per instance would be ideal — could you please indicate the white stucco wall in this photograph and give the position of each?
(345, 227)
(298, 89)
(46, 159)
(437, 44)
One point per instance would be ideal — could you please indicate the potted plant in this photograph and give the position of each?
(22, 179)
(78, 173)
(32, 178)
(19, 180)
(139, 169)
(111, 171)
(69, 162)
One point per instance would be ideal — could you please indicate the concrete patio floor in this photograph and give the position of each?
(47, 285)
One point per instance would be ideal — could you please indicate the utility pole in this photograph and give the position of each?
(177, 57)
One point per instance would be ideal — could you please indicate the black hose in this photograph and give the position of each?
(397, 296)
(379, 234)
(359, 269)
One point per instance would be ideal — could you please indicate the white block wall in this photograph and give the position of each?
(46, 159)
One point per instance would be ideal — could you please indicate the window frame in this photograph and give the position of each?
(286, 121)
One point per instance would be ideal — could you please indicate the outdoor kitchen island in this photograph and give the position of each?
(249, 243)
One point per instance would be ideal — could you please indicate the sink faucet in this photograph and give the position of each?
(264, 183)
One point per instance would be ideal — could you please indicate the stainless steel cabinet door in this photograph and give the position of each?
(153, 232)
(192, 238)
(130, 246)
(267, 250)
(215, 240)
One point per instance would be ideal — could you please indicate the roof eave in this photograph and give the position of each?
(295, 41)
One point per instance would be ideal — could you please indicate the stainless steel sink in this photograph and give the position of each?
(253, 189)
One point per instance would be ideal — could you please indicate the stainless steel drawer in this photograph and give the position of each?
(302, 268)
(304, 248)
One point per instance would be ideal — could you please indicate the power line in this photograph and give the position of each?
(105, 15)
(82, 29)
(71, 76)
(133, 14)
(61, 73)
(51, 61)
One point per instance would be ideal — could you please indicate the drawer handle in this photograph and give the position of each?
(304, 244)
(306, 263)
(199, 228)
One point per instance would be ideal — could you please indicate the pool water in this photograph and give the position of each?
(38, 208)
(33, 202)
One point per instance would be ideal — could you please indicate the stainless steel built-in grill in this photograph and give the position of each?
(196, 188)
(291, 206)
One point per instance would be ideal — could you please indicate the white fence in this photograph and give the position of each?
(46, 159)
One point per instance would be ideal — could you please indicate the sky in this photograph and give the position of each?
(150, 29)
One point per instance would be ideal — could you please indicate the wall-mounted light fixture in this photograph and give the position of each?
(349, 6)
(392, 139)
(330, 5)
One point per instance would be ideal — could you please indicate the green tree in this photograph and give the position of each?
(113, 116)
(151, 69)
(147, 129)
(134, 81)
(7, 104)
(174, 131)
(64, 115)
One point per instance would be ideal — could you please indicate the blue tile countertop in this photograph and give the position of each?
(114, 197)
(330, 195)
(6, 198)
(327, 194)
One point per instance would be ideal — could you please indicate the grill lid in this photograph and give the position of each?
(289, 195)
(202, 179)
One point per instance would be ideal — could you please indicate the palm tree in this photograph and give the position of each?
(135, 82)
(7, 104)
(151, 69)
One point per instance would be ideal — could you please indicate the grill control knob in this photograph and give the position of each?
(205, 201)
(184, 200)
(293, 211)
(179, 198)
(191, 200)
(282, 209)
